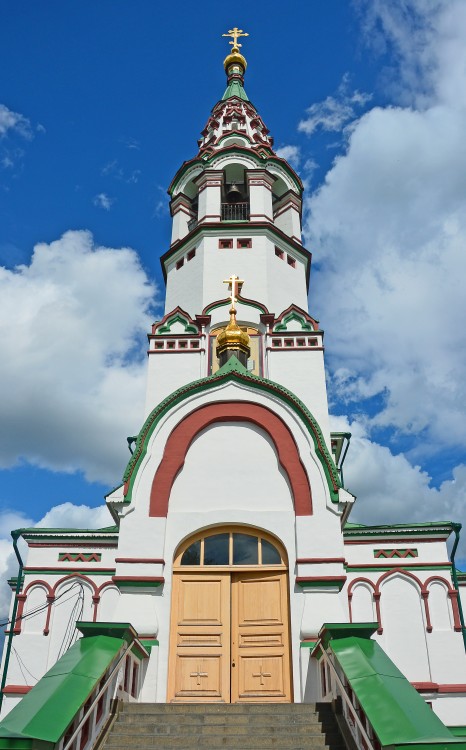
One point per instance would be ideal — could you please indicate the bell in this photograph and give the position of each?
(234, 193)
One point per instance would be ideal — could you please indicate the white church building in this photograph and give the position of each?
(232, 573)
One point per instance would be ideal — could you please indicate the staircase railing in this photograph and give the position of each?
(334, 688)
(97, 710)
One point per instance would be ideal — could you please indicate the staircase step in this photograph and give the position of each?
(220, 726)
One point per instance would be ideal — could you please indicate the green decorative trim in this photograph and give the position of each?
(405, 720)
(396, 566)
(398, 529)
(305, 326)
(320, 583)
(177, 318)
(308, 644)
(69, 571)
(138, 584)
(234, 371)
(227, 301)
(122, 630)
(395, 554)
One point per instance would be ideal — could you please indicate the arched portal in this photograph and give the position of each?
(229, 634)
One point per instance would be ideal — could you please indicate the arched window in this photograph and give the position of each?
(236, 547)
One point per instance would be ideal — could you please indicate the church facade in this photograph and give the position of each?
(232, 547)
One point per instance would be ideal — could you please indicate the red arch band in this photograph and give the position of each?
(184, 433)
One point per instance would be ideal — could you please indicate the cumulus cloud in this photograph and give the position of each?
(388, 228)
(72, 370)
(291, 154)
(334, 112)
(391, 490)
(13, 122)
(102, 200)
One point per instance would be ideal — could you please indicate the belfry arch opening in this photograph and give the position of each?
(230, 629)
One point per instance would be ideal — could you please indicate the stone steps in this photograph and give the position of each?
(161, 726)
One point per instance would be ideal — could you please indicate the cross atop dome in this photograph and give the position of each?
(235, 63)
(235, 33)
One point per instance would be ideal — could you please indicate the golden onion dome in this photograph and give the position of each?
(232, 337)
(234, 58)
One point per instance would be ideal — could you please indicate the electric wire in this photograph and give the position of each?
(41, 607)
(21, 663)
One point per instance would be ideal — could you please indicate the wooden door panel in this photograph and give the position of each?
(259, 602)
(260, 638)
(261, 677)
(199, 676)
(199, 668)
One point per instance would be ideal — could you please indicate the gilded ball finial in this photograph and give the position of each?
(235, 58)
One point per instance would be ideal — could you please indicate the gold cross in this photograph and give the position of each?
(198, 674)
(235, 33)
(262, 674)
(234, 285)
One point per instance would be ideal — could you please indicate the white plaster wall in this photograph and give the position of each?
(362, 604)
(167, 372)
(64, 615)
(303, 373)
(405, 628)
(239, 468)
(428, 552)
(108, 604)
(268, 279)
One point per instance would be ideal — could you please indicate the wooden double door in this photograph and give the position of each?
(229, 639)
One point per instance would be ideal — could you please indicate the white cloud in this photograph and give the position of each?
(102, 200)
(334, 113)
(391, 490)
(388, 229)
(291, 154)
(13, 122)
(69, 325)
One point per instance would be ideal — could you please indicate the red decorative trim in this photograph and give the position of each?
(105, 585)
(390, 553)
(397, 570)
(425, 599)
(377, 610)
(350, 595)
(155, 560)
(79, 557)
(39, 582)
(319, 560)
(430, 687)
(184, 433)
(50, 601)
(59, 569)
(19, 613)
(95, 601)
(227, 301)
(453, 594)
(176, 351)
(17, 689)
(454, 688)
(302, 313)
(75, 575)
(177, 310)
(434, 687)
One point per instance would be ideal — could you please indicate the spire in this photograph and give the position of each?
(232, 340)
(235, 66)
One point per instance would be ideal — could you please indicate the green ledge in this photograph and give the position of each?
(149, 643)
(320, 583)
(308, 644)
(138, 584)
(398, 714)
(234, 371)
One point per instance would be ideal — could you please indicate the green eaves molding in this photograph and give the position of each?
(241, 300)
(47, 710)
(398, 529)
(398, 714)
(234, 371)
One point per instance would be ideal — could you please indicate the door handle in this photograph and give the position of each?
(233, 664)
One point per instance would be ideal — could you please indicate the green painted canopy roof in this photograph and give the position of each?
(398, 714)
(47, 710)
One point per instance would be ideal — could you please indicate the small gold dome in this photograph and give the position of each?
(235, 58)
(232, 337)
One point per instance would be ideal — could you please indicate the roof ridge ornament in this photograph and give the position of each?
(235, 64)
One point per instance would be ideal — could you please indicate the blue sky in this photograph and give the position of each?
(99, 105)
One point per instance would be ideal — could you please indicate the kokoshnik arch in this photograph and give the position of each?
(231, 545)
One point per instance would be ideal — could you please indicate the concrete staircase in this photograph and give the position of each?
(284, 726)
